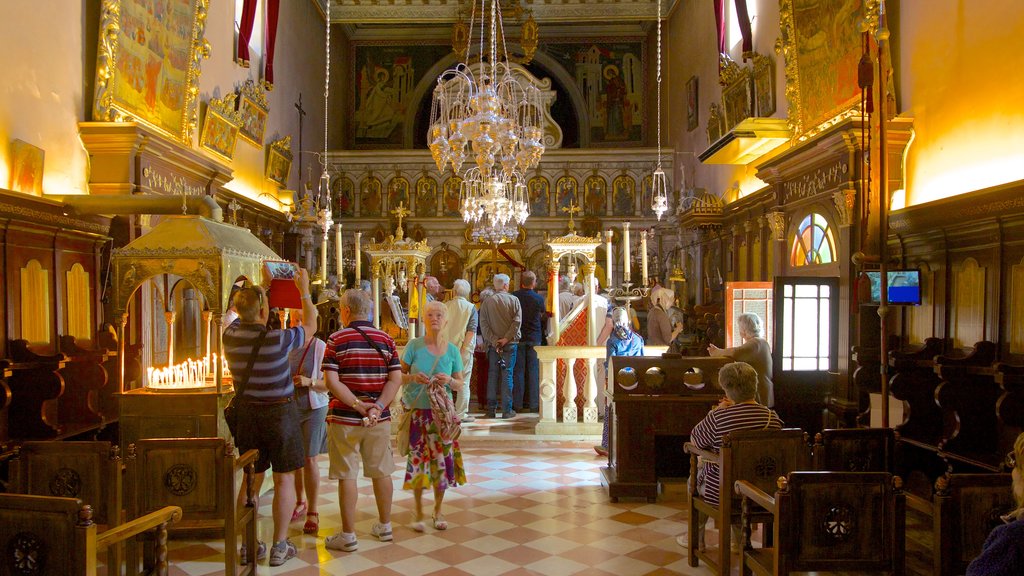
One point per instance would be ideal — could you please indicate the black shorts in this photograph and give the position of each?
(274, 430)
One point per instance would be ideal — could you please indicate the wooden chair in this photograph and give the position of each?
(197, 475)
(855, 450)
(56, 536)
(828, 522)
(757, 456)
(90, 471)
(966, 508)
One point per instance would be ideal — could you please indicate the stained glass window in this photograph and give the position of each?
(814, 243)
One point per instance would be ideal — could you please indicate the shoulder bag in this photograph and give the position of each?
(231, 410)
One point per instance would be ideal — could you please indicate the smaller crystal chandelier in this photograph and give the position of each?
(486, 112)
(659, 193)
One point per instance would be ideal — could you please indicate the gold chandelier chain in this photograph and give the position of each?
(659, 84)
(327, 76)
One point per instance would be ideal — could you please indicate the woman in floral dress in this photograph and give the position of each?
(430, 361)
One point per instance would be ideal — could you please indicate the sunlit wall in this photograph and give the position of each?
(962, 79)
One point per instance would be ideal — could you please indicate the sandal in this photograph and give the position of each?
(418, 526)
(440, 523)
(312, 525)
(300, 509)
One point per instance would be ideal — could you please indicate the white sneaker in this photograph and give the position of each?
(382, 532)
(341, 542)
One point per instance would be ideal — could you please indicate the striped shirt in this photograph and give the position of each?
(271, 377)
(707, 434)
(359, 367)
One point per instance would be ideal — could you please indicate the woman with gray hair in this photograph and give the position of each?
(754, 351)
(739, 410)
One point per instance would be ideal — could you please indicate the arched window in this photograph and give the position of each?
(813, 243)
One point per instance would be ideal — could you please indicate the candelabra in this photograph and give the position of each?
(626, 293)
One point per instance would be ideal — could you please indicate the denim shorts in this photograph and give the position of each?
(274, 430)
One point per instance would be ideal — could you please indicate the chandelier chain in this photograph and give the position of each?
(659, 186)
(327, 75)
(659, 83)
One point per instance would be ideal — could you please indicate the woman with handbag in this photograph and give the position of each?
(431, 367)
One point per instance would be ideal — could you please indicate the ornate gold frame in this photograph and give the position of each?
(786, 46)
(281, 148)
(220, 111)
(252, 100)
(107, 107)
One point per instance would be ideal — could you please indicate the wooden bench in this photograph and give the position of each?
(966, 507)
(757, 456)
(855, 450)
(827, 521)
(52, 535)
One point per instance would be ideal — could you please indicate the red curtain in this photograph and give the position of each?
(245, 31)
(744, 21)
(273, 7)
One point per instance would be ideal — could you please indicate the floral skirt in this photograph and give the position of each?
(431, 462)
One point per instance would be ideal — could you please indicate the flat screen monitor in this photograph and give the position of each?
(904, 286)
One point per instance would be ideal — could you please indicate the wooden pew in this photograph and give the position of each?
(828, 521)
(85, 378)
(966, 508)
(855, 450)
(914, 381)
(756, 456)
(52, 535)
(967, 396)
(34, 382)
(5, 403)
(1010, 405)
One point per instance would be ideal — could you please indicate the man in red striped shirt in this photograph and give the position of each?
(363, 373)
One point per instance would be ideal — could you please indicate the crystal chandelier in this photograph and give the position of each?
(659, 193)
(485, 111)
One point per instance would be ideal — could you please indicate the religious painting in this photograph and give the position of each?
(343, 192)
(539, 190)
(610, 75)
(764, 85)
(426, 196)
(384, 77)
(26, 168)
(595, 191)
(370, 199)
(716, 123)
(252, 112)
(147, 65)
(446, 266)
(220, 129)
(398, 192)
(566, 194)
(692, 104)
(483, 277)
(736, 95)
(647, 198)
(452, 197)
(279, 161)
(624, 196)
(821, 45)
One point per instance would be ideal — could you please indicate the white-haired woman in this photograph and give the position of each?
(460, 330)
(623, 341)
(659, 323)
(432, 462)
(1003, 552)
(754, 351)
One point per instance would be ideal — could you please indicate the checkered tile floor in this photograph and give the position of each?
(530, 507)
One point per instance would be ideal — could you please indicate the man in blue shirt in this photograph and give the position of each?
(526, 381)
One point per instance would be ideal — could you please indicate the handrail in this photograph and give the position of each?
(748, 490)
(121, 532)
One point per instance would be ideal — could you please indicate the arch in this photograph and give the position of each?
(425, 88)
(813, 242)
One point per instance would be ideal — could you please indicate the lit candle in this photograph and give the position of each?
(608, 258)
(625, 251)
(337, 252)
(359, 258)
(643, 257)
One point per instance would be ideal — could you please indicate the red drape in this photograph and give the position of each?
(245, 31)
(273, 7)
(744, 21)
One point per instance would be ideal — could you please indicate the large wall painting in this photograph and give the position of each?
(610, 75)
(148, 63)
(384, 77)
(821, 45)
